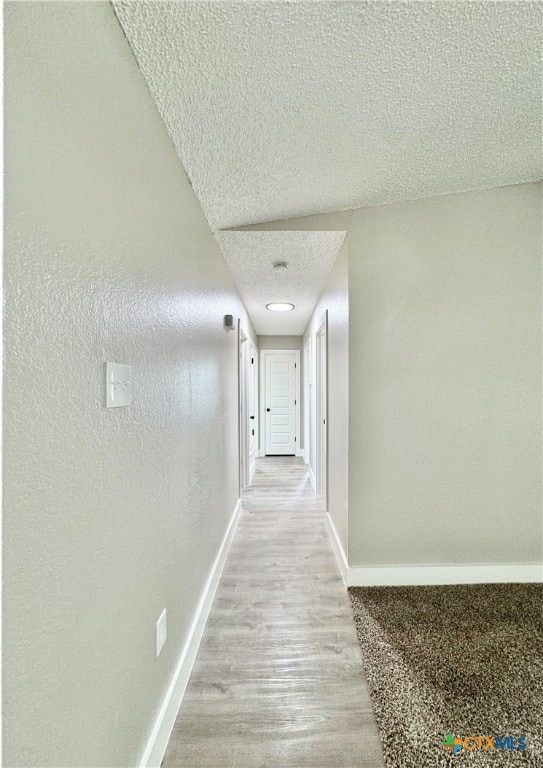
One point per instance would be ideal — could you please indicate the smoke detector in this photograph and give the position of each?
(280, 265)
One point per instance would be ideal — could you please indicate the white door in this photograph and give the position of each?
(280, 404)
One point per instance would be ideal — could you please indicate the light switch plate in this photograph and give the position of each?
(118, 385)
(161, 632)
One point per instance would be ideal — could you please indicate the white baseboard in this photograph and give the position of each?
(420, 575)
(466, 573)
(160, 735)
(313, 481)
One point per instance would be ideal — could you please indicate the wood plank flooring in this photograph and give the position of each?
(278, 679)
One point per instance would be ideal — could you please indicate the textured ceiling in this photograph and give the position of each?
(281, 109)
(310, 257)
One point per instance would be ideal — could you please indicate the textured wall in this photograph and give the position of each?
(445, 438)
(281, 342)
(445, 377)
(110, 515)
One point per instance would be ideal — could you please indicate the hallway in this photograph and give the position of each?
(278, 679)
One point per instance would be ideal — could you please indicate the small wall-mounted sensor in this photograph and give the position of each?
(229, 323)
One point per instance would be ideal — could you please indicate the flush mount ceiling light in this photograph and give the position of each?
(280, 265)
(280, 306)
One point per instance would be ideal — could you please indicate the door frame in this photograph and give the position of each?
(321, 404)
(252, 373)
(242, 407)
(262, 431)
(308, 362)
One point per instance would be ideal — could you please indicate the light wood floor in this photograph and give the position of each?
(278, 679)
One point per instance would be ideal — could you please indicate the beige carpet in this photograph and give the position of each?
(448, 663)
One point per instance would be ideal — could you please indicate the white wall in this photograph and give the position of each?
(445, 377)
(335, 299)
(280, 342)
(445, 439)
(110, 515)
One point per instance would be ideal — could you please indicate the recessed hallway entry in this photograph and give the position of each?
(278, 679)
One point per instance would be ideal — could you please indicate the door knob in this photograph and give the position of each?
(268, 409)
(251, 417)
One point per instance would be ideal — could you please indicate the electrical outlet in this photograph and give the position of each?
(161, 632)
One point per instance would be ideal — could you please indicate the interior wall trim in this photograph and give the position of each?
(431, 575)
(160, 735)
(468, 573)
